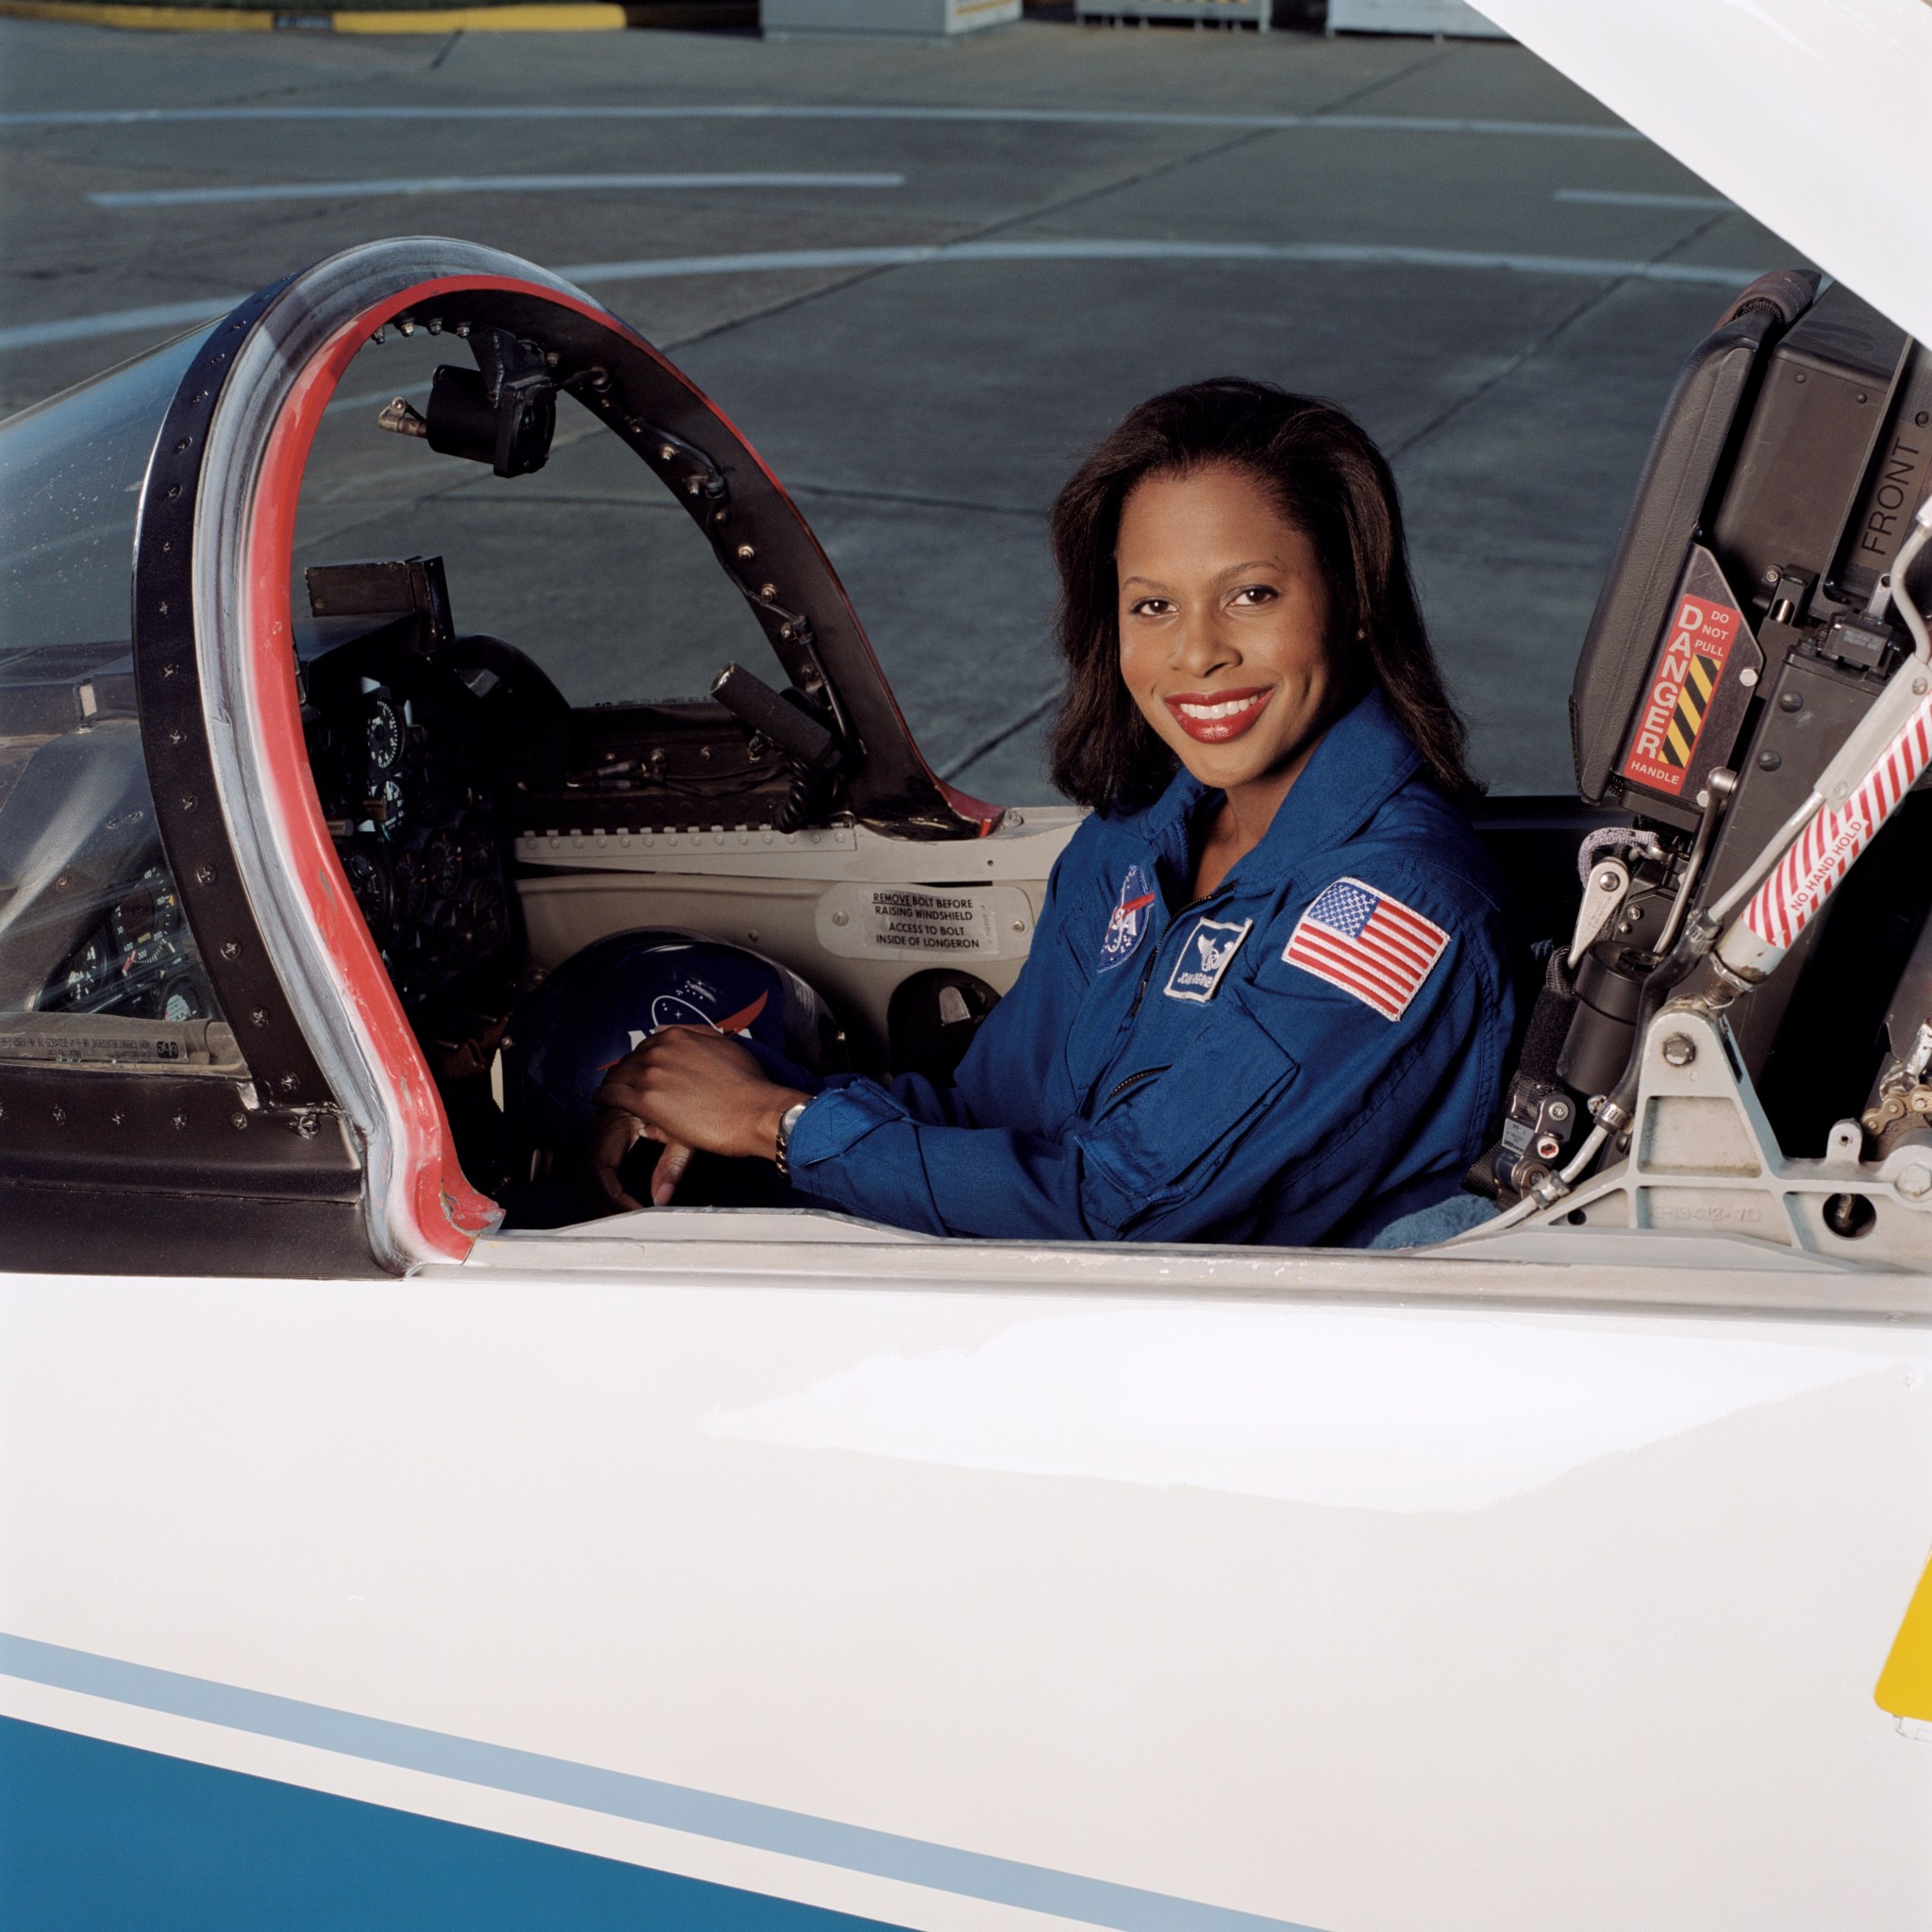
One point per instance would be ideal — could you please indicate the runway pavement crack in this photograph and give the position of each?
(1045, 210)
(966, 760)
(1535, 347)
(912, 499)
(1421, 64)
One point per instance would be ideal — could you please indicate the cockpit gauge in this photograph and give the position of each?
(389, 801)
(370, 880)
(133, 920)
(479, 846)
(410, 879)
(443, 858)
(488, 916)
(385, 734)
(144, 920)
(456, 936)
(182, 999)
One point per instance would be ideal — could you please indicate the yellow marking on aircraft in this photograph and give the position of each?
(1689, 721)
(1905, 1685)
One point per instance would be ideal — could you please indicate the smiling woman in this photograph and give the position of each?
(1253, 710)
(1302, 491)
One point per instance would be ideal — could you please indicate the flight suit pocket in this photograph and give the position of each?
(1168, 1132)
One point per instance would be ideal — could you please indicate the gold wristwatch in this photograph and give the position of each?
(786, 1122)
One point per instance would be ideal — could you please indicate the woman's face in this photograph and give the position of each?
(1224, 625)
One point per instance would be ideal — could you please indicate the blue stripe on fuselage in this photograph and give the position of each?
(624, 1794)
(96, 1835)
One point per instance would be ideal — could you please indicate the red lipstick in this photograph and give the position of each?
(1218, 717)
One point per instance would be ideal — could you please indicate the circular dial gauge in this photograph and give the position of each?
(443, 858)
(391, 797)
(133, 920)
(181, 999)
(385, 732)
(456, 938)
(489, 917)
(412, 883)
(479, 846)
(369, 879)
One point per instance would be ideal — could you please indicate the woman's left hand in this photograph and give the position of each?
(693, 1087)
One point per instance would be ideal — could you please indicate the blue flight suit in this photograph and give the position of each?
(1310, 1053)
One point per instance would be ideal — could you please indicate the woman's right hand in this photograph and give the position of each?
(613, 1134)
(688, 1087)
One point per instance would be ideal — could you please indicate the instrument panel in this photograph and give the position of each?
(139, 961)
(407, 799)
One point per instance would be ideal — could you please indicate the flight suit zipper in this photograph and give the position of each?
(1153, 958)
(1120, 1087)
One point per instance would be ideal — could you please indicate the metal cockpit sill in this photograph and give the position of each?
(1705, 1216)
(672, 1249)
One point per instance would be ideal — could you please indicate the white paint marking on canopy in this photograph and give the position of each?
(475, 183)
(663, 268)
(1617, 198)
(1063, 117)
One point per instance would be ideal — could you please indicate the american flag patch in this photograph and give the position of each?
(1367, 944)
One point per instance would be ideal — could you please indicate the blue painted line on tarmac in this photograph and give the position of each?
(1039, 117)
(1313, 254)
(1616, 197)
(619, 1794)
(475, 183)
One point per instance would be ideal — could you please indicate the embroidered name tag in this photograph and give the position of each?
(1209, 949)
(1131, 916)
(1367, 944)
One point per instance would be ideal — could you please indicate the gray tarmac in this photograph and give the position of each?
(1511, 349)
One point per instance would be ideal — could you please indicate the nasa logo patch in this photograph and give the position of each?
(1208, 954)
(1127, 923)
(690, 1005)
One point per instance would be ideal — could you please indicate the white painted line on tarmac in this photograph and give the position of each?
(369, 398)
(1317, 253)
(117, 322)
(1045, 117)
(1616, 197)
(474, 183)
(663, 268)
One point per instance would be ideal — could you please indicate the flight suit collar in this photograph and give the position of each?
(1363, 761)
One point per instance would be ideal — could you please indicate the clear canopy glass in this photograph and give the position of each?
(96, 962)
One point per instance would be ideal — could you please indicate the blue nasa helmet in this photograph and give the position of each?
(567, 1035)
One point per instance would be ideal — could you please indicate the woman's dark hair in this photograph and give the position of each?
(1333, 484)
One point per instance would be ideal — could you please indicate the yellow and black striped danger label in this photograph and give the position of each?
(1683, 682)
(1680, 737)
